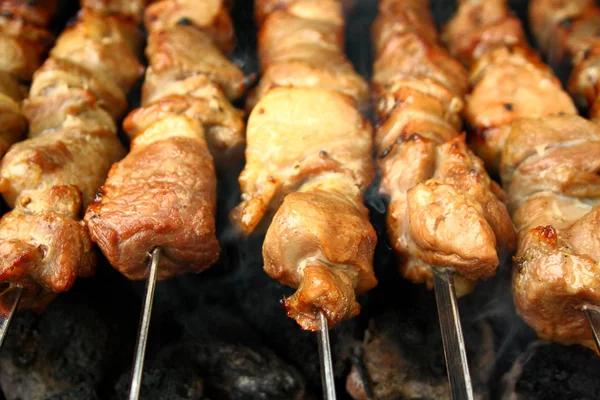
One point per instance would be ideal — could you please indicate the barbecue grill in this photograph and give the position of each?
(223, 334)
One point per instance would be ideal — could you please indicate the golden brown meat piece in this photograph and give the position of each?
(224, 124)
(12, 123)
(71, 156)
(43, 246)
(210, 16)
(480, 26)
(548, 17)
(162, 194)
(182, 52)
(283, 156)
(23, 46)
(301, 45)
(50, 177)
(320, 240)
(550, 169)
(56, 77)
(444, 210)
(131, 9)
(104, 45)
(509, 84)
(264, 8)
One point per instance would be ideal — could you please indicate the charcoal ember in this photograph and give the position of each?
(79, 392)
(48, 354)
(259, 298)
(166, 379)
(223, 370)
(553, 371)
(79, 342)
(402, 353)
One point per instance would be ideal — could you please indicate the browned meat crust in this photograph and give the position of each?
(444, 210)
(163, 193)
(547, 158)
(308, 162)
(52, 176)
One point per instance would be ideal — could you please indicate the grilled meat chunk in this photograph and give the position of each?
(131, 9)
(283, 156)
(162, 194)
(39, 12)
(53, 175)
(444, 210)
(302, 46)
(212, 17)
(320, 239)
(43, 246)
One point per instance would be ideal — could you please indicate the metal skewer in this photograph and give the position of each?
(452, 336)
(142, 339)
(590, 312)
(12, 294)
(325, 357)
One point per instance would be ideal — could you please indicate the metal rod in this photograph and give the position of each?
(15, 293)
(140, 352)
(327, 379)
(590, 312)
(452, 335)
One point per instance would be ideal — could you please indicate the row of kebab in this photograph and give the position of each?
(310, 151)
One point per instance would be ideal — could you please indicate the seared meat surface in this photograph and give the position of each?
(527, 129)
(308, 162)
(444, 210)
(163, 193)
(24, 42)
(52, 176)
(302, 45)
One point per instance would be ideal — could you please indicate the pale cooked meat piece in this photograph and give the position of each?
(282, 153)
(556, 268)
(584, 83)
(182, 52)
(22, 46)
(407, 55)
(545, 16)
(71, 156)
(302, 46)
(505, 92)
(162, 194)
(131, 8)
(580, 34)
(37, 12)
(43, 246)
(103, 45)
(64, 109)
(224, 124)
(210, 16)
(321, 242)
(57, 76)
(479, 26)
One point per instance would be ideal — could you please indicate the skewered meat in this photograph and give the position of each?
(53, 175)
(308, 162)
(570, 30)
(163, 193)
(24, 42)
(302, 46)
(548, 161)
(444, 210)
